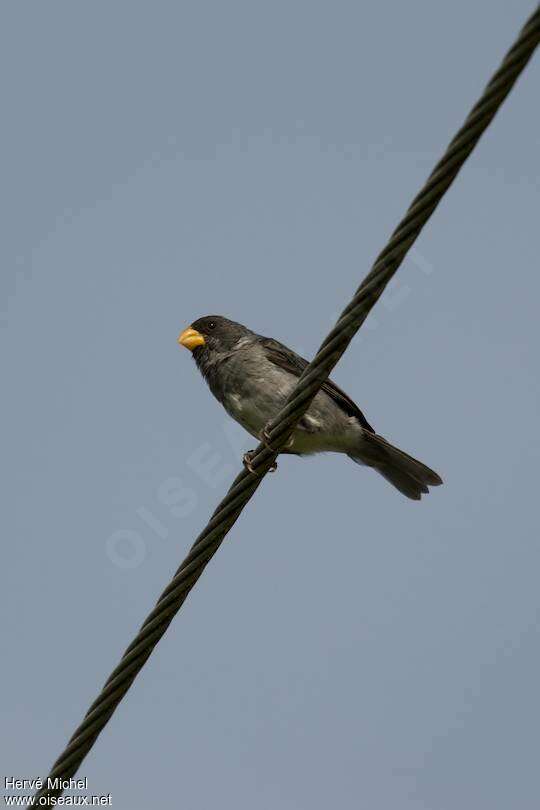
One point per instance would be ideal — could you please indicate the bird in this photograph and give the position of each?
(252, 376)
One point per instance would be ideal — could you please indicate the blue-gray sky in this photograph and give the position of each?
(346, 647)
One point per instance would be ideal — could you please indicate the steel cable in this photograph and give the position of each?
(281, 427)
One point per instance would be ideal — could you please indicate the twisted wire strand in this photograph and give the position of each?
(282, 425)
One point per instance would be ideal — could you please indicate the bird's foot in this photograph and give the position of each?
(265, 439)
(247, 459)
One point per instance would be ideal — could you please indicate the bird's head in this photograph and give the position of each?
(212, 333)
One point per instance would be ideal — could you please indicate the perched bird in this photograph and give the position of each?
(252, 377)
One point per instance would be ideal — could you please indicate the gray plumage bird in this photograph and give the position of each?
(252, 376)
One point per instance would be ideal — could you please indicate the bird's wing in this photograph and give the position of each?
(283, 357)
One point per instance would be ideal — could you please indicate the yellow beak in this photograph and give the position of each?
(190, 338)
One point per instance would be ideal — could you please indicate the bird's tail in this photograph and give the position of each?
(407, 474)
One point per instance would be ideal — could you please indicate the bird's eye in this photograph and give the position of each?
(211, 325)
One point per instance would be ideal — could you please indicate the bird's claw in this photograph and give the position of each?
(264, 436)
(247, 459)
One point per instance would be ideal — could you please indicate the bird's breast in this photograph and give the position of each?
(254, 392)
